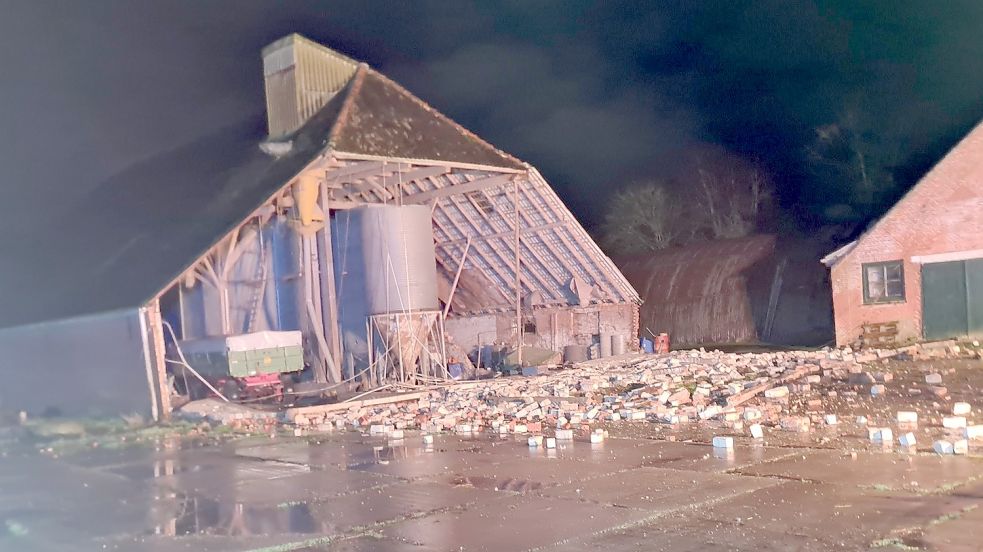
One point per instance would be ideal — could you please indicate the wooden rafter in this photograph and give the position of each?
(458, 189)
(357, 171)
(503, 259)
(477, 266)
(546, 288)
(526, 231)
(528, 228)
(574, 250)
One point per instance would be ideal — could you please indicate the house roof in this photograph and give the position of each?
(142, 228)
(968, 151)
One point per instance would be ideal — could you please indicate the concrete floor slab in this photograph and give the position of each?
(700, 457)
(659, 490)
(352, 492)
(835, 514)
(922, 472)
(512, 523)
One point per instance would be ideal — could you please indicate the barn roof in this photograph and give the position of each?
(145, 226)
(140, 229)
(381, 118)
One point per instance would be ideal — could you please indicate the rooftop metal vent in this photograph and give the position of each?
(300, 77)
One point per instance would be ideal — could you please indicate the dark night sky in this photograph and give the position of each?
(594, 94)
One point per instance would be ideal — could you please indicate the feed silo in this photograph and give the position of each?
(404, 317)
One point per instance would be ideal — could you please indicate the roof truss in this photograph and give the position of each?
(486, 206)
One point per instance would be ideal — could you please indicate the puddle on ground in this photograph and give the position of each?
(384, 454)
(178, 514)
(161, 468)
(492, 484)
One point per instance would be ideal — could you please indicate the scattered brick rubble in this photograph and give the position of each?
(745, 394)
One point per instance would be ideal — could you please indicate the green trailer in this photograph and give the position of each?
(245, 362)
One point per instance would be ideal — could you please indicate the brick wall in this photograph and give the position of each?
(942, 214)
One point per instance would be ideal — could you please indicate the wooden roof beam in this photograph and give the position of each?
(529, 230)
(456, 189)
(553, 290)
(354, 173)
(478, 267)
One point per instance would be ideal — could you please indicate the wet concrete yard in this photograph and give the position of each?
(352, 492)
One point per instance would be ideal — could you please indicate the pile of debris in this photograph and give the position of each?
(740, 394)
(671, 388)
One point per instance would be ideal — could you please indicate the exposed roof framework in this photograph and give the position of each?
(474, 211)
(375, 142)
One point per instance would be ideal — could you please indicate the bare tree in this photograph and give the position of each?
(852, 160)
(644, 217)
(713, 194)
(732, 198)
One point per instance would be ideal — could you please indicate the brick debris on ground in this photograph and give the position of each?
(890, 397)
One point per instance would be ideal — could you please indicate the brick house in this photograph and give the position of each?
(921, 265)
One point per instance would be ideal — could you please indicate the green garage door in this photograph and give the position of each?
(952, 299)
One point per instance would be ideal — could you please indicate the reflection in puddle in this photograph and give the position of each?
(491, 484)
(160, 468)
(179, 514)
(175, 513)
(723, 454)
(384, 455)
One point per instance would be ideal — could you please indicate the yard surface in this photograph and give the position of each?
(648, 486)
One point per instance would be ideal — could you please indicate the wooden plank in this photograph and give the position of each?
(291, 413)
(156, 328)
(745, 396)
(357, 171)
(477, 267)
(515, 228)
(457, 277)
(424, 162)
(485, 237)
(329, 315)
(342, 205)
(773, 297)
(455, 189)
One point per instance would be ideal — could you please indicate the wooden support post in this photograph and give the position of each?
(156, 329)
(457, 278)
(329, 298)
(518, 279)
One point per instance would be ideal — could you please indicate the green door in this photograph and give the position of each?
(974, 291)
(944, 300)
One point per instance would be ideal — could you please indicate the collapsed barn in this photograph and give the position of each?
(371, 240)
(754, 290)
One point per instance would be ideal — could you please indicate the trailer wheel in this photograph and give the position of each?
(231, 390)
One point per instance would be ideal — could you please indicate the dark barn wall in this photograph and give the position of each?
(698, 293)
(719, 292)
(91, 366)
(803, 313)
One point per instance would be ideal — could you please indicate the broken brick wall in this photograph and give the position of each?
(548, 327)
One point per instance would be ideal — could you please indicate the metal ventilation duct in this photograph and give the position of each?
(300, 77)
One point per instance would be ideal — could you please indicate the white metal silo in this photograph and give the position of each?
(405, 326)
